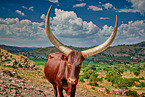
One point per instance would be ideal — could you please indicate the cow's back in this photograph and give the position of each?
(52, 66)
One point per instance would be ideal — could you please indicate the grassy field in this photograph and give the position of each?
(39, 61)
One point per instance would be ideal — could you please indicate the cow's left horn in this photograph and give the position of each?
(102, 47)
(52, 38)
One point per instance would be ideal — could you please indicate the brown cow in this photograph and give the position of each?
(62, 69)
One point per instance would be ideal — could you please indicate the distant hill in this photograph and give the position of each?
(142, 44)
(120, 53)
(16, 50)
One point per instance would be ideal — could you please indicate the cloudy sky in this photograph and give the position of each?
(80, 23)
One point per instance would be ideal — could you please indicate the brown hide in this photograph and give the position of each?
(63, 71)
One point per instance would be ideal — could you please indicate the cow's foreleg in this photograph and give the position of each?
(55, 90)
(73, 93)
(60, 91)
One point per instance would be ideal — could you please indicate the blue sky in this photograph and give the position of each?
(80, 23)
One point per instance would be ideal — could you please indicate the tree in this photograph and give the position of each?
(110, 74)
(124, 82)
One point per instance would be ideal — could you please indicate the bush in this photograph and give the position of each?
(131, 93)
(107, 90)
(136, 72)
(141, 78)
(81, 79)
(110, 74)
(124, 82)
(99, 79)
(86, 75)
(92, 67)
(93, 77)
(142, 84)
(142, 95)
(91, 72)
(134, 79)
(93, 83)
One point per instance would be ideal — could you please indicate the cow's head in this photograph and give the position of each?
(73, 66)
(75, 58)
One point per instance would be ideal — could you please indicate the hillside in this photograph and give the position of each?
(16, 50)
(141, 44)
(120, 53)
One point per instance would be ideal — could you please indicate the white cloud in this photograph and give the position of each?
(67, 24)
(20, 12)
(104, 18)
(104, 33)
(69, 29)
(107, 5)
(24, 31)
(131, 32)
(95, 8)
(80, 5)
(128, 10)
(43, 16)
(80, 0)
(31, 8)
(138, 5)
(24, 7)
(54, 1)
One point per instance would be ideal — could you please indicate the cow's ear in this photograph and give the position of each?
(63, 57)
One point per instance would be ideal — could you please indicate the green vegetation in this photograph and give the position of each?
(39, 61)
(122, 76)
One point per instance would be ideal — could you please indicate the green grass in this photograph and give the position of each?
(39, 61)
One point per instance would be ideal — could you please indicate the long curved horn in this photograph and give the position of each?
(102, 47)
(52, 38)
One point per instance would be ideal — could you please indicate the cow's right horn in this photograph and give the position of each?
(52, 38)
(102, 47)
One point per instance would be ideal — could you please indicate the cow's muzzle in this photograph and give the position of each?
(72, 81)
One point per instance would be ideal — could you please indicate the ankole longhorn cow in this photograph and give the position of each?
(62, 69)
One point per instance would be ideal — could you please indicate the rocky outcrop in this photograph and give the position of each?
(19, 62)
(13, 87)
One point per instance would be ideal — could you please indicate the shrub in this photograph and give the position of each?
(93, 83)
(82, 80)
(142, 95)
(134, 79)
(99, 79)
(110, 74)
(136, 72)
(141, 78)
(107, 90)
(124, 82)
(93, 88)
(86, 75)
(93, 77)
(91, 72)
(131, 93)
(142, 84)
